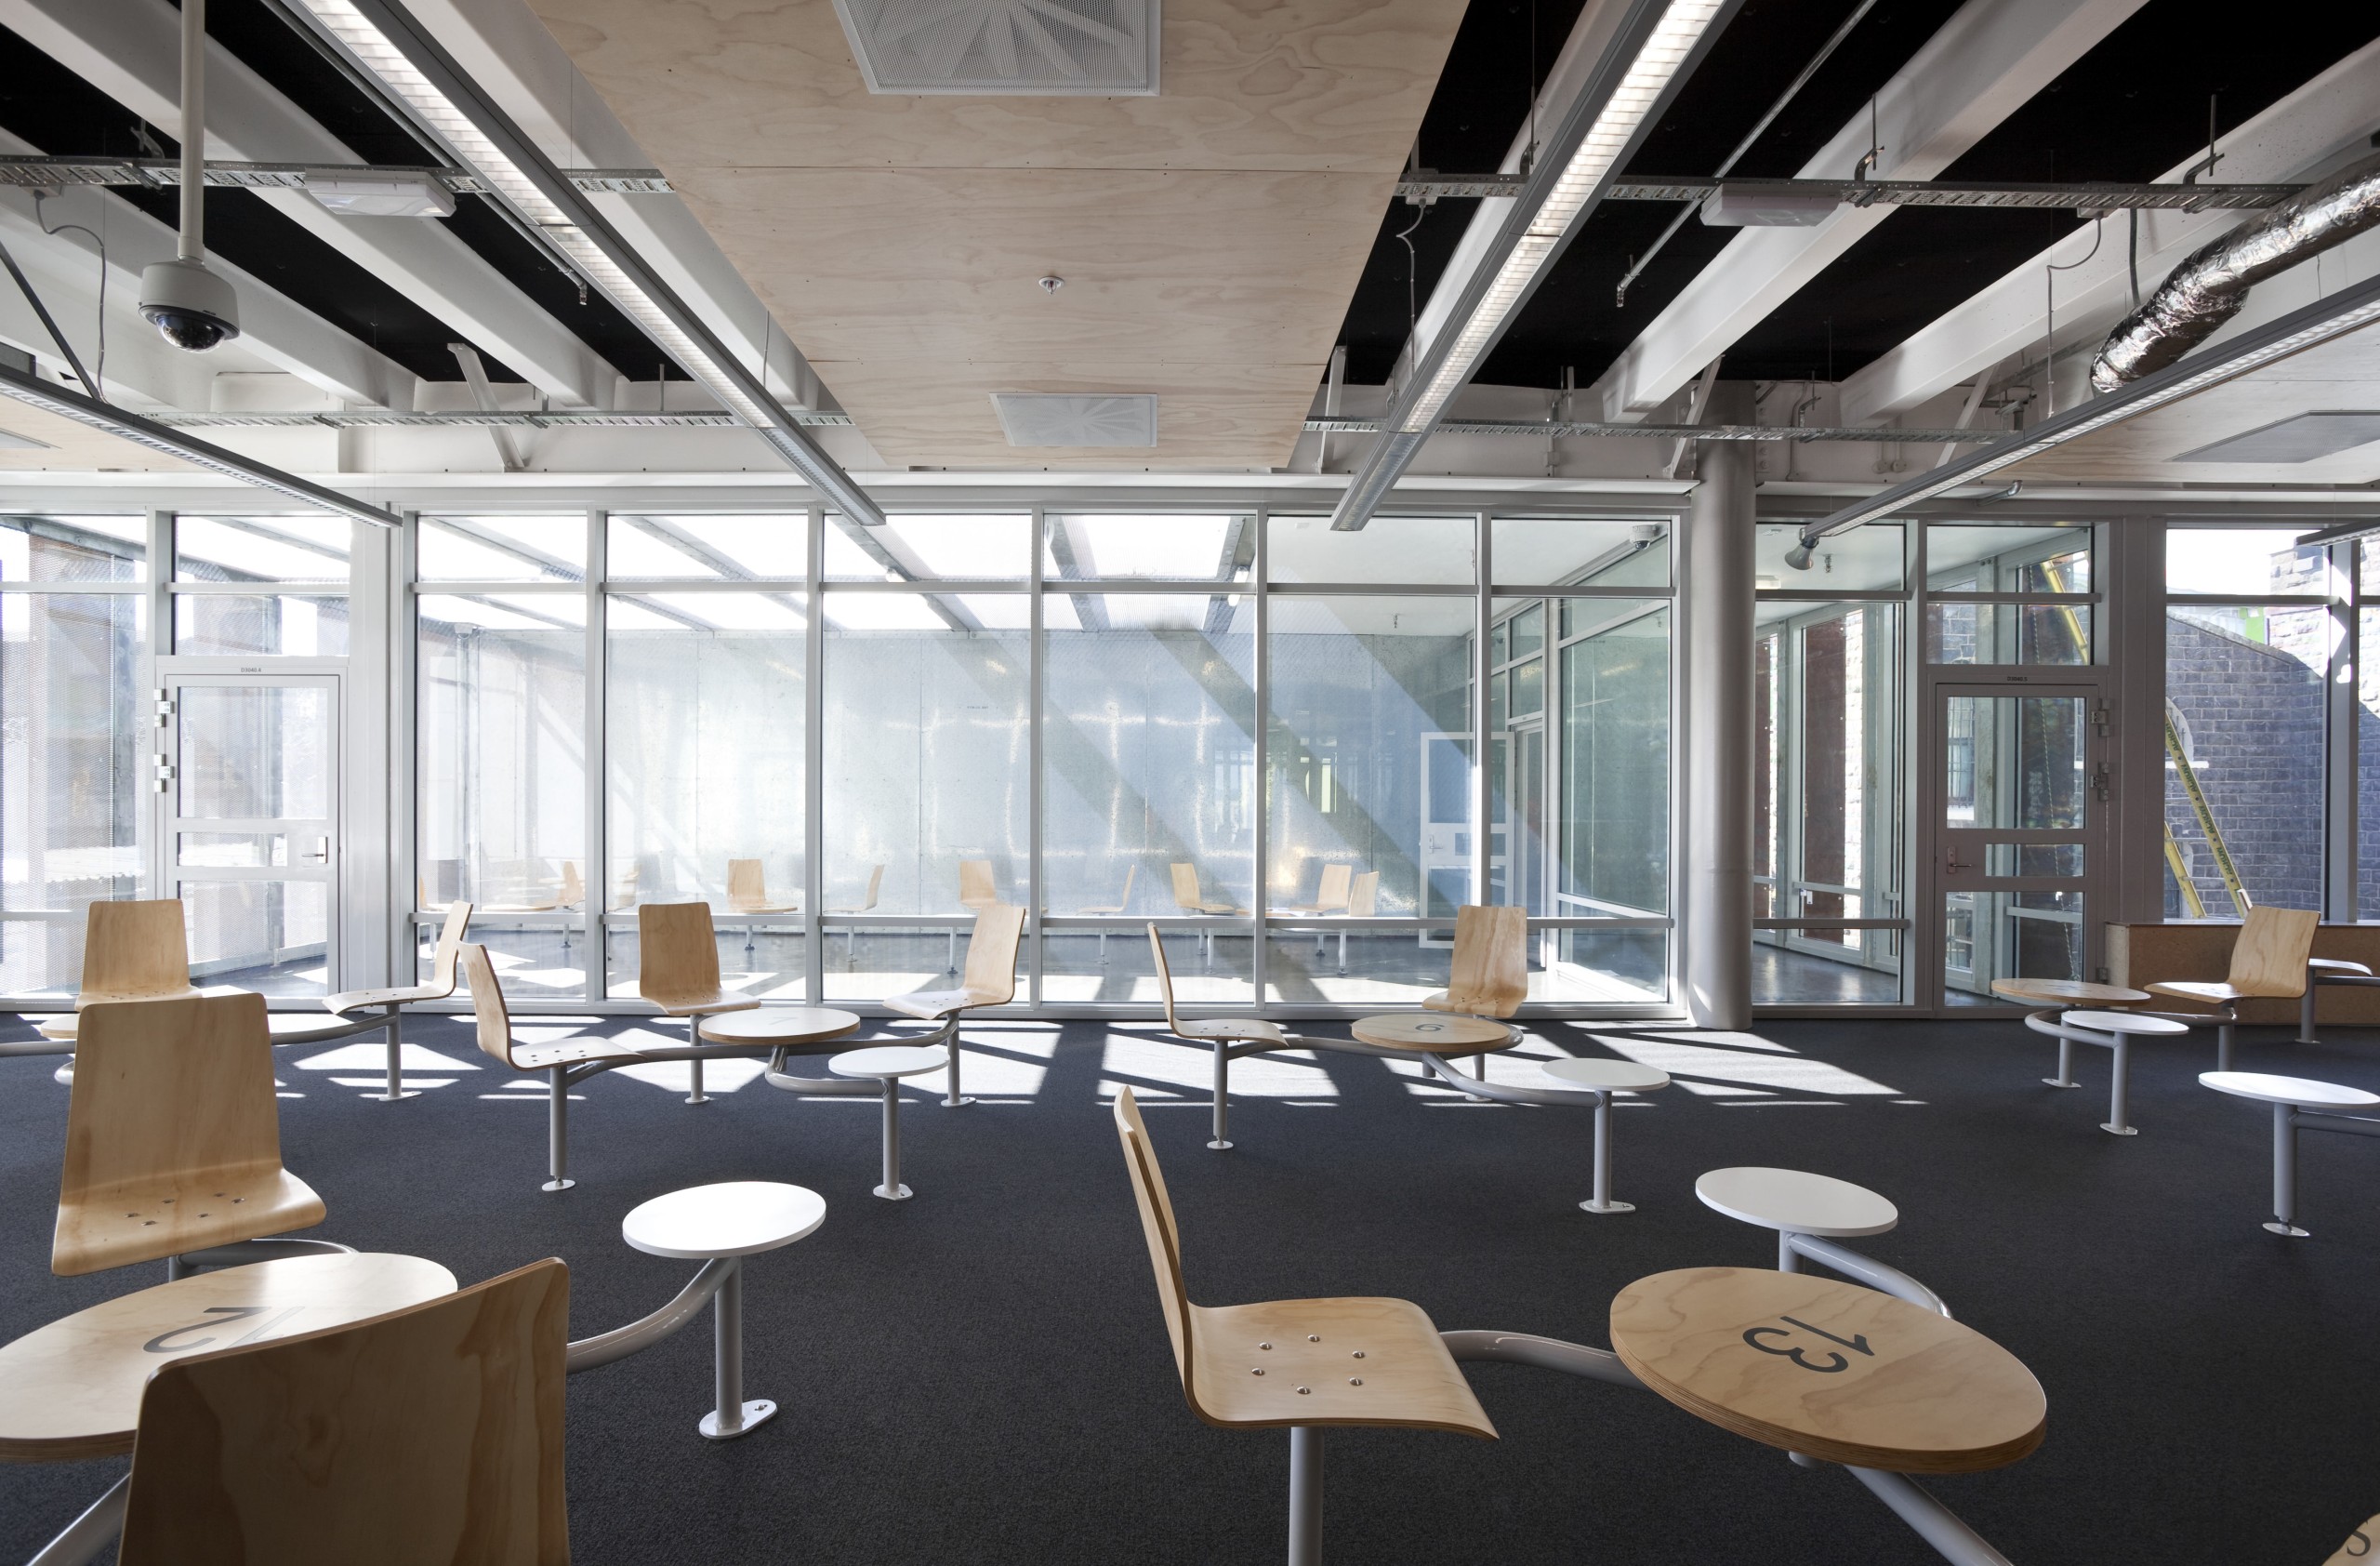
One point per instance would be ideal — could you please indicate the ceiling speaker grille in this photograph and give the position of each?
(1072, 419)
(1044, 49)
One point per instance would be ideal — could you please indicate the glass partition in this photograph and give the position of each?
(502, 549)
(1408, 551)
(73, 548)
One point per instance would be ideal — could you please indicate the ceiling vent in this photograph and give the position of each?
(1076, 420)
(1039, 48)
(2300, 438)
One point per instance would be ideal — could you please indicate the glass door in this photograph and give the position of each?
(247, 780)
(2020, 783)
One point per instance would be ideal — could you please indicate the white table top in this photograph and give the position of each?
(735, 1218)
(890, 1060)
(2336, 965)
(2302, 1091)
(780, 1025)
(1795, 1201)
(2125, 1022)
(1605, 1076)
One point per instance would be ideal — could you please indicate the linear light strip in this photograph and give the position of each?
(2350, 309)
(147, 432)
(408, 62)
(1660, 40)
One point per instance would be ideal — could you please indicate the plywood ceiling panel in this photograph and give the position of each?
(2340, 376)
(1210, 237)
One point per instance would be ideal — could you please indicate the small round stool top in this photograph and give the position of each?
(2066, 992)
(2303, 1090)
(780, 1025)
(72, 1389)
(1831, 1369)
(735, 1218)
(1796, 1201)
(1430, 1032)
(2337, 965)
(2125, 1022)
(890, 1060)
(1605, 1076)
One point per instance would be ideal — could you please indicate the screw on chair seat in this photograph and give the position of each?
(1328, 1361)
(569, 1052)
(1830, 1370)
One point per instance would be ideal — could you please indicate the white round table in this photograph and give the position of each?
(2288, 1096)
(723, 1223)
(890, 1063)
(1603, 1078)
(2114, 1031)
(1794, 1201)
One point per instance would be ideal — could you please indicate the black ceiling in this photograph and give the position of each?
(2128, 110)
(60, 114)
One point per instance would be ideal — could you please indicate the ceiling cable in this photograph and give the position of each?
(1826, 50)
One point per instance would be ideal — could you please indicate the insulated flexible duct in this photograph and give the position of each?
(2209, 288)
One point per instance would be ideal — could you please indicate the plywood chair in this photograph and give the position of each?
(430, 1433)
(1189, 899)
(538, 900)
(865, 905)
(1488, 977)
(990, 980)
(1330, 894)
(565, 1064)
(135, 950)
(1302, 1365)
(1123, 902)
(1363, 902)
(678, 971)
(2268, 959)
(747, 890)
(976, 893)
(574, 888)
(1252, 1034)
(440, 986)
(173, 1137)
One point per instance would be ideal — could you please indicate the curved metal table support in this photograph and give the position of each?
(2119, 1124)
(242, 1252)
(946, 1034)
(720, 1283)
(2316, 978)
(91, 1536)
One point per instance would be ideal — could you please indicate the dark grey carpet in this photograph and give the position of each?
(982, 1375)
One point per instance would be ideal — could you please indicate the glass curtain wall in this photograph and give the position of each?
(847, 740)
(73, 782)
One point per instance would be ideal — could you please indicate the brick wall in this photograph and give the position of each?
(2254, 717)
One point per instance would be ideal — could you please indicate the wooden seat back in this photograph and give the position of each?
(748, 888)
(573, 889)
(1164, 976)
(1124, 898)
(1489, 974)
(1185, 887)
(450, 949)
(431, 1434)
(488, 1010)
(990, 979)
(1164, 1239)
(676, 953)
(135, 950)
(168, 1096)
(2269, 956)
(875, 885)
(1331, 894)
(975, 888)
(1363, 895)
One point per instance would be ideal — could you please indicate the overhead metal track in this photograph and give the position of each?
(35, 171)
(1649, 55)
(444, 100)
(35, 393)
(1431, 186)
(2351, 309)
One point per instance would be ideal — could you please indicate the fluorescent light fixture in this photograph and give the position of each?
(1659, 41)
(423, 79)
(381, 195)
(2350, 309)
(190, 448)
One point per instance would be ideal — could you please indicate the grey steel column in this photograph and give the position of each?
(1715, 645)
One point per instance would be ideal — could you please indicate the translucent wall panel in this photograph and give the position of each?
(739, 548)
(237, 624)
(1359, 968)
(2367, 879)
(73, 548)
(1405, 549)
(2244, 704)
(73, 786)
(704, 748)
(926, 749)
(2054, 633)
(1369, 749)
(1213, 548)
(1149, 755)
(501, 777)
(1565, 551)
(502, 549)
(265, 549)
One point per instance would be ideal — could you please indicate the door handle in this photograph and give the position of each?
(1953, 864)
(321, 855)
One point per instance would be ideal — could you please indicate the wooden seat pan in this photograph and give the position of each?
(1927, 1396)
(569, 1052)
(1431, 1035)
(1410, 1380)
(1228, 1029)
(2207, 993)
(353, 1000)
(703, 1005)
(932, 1005)
(119, 1226)
(71, 1390)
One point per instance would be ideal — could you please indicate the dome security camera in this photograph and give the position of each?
(194, 309)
